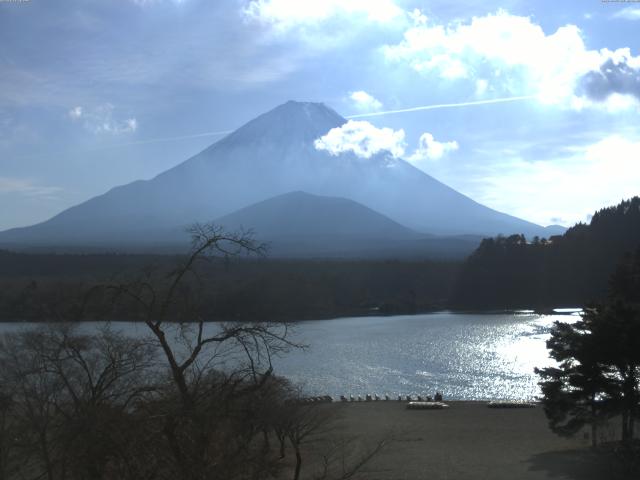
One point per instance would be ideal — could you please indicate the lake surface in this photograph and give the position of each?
(466, 356)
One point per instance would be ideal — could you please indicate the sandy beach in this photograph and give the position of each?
(469, 441)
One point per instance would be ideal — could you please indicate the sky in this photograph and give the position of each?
(531, 108)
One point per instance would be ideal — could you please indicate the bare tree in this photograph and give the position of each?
(189, 400)
(305, 422)
(71, 397)
(7, 436)
(312, 430)
(343, 457)
(169, 307)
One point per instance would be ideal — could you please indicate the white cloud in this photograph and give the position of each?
(363, 139)
(481, 87)
(75, 113)
(365, 102)
(130, 125)
(26, 187)
(287, 14)
(101, 120)
(595, 175)
(516, 57)
(615, 102)
(628, 13)
(429, 149)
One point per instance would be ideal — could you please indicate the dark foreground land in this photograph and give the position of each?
(471, 441)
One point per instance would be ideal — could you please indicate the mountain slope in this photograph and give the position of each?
(300, 214)
(269, 156)
(300, 224)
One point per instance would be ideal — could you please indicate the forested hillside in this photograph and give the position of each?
(567, 270)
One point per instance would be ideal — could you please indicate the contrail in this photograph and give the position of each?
(445, 105)
(359, 115)
(165, 139)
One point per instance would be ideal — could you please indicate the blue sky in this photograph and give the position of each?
(540, 100)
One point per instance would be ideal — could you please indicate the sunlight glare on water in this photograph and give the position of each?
(466, 356)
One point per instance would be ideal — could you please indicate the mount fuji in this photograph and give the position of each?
(268, 157)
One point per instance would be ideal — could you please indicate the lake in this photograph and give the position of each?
(467, 356)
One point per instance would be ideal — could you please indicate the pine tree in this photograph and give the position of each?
(598, 375)
(575, 392)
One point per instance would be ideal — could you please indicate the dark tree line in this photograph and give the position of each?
(48, 287)
(566, 270)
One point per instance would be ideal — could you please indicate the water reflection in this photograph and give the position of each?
(468, 356)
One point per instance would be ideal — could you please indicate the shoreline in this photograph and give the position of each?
(544, 311)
